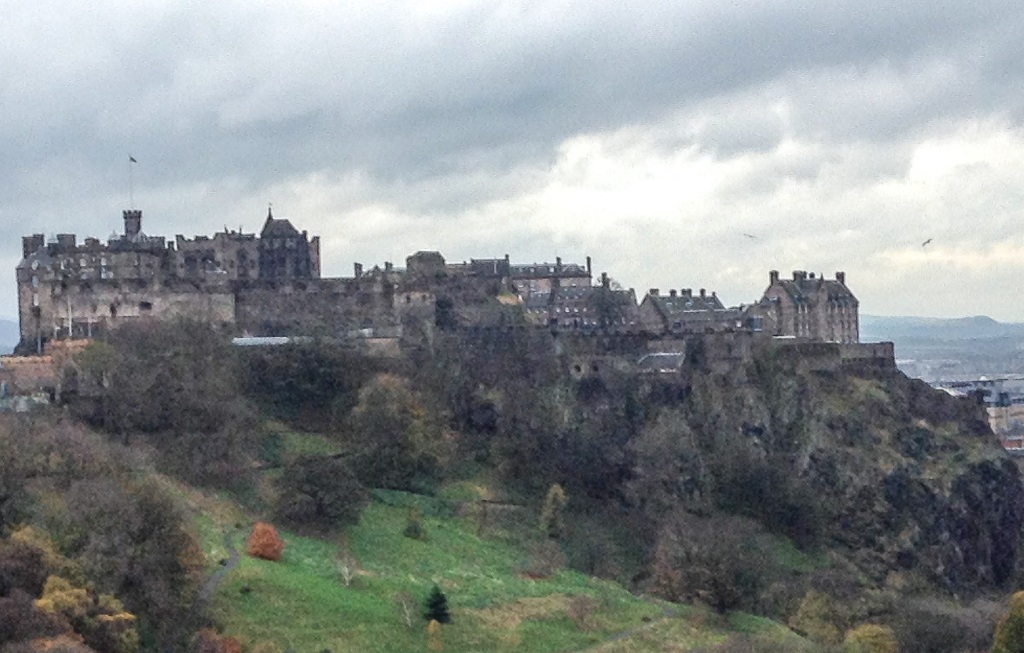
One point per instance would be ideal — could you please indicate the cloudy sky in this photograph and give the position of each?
(695, 143)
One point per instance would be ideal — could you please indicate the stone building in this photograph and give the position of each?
(542, 278)
(681, 311)
(813, 307)
(68, 289)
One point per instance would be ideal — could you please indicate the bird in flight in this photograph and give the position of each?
(750, 236)
(925, 243)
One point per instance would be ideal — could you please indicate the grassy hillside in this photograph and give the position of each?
(301, 603)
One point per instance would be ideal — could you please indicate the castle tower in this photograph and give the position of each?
(132, 222)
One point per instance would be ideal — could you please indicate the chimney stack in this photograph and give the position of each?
(672, 293)
(605, 281)
(558, 264)
(773, 277)
(841, 277)
(653, 292)
(703, 293)
(588, 268)
(66, 242)
(32, 244)
(358, 269)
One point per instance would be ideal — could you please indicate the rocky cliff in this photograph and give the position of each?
(902, 478)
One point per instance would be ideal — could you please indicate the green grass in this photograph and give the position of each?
(301, 603)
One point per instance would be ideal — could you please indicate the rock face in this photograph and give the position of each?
(906, 478)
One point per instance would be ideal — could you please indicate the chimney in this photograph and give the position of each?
(773, 277)
(387, 266)
(703, 293)
(672, 293)
(132, 222)
(66, 242)
(812, 275)
(799, 275)
(558, 264)
(588, 269)
(687, 292)
(653, 292)
(358, 269)
(605, 281)
(32, 244)
(841, 277)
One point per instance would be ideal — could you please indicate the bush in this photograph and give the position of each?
(414, 528)
(1009, 635)
(870, 638)
(265, 543)
(551, 522)
(817, 618)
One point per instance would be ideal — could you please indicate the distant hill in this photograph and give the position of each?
(949, 348)
(9, 335)
(874, 327)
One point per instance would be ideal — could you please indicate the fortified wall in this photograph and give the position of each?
(270, 285)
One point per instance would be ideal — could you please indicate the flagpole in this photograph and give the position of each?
(131, 183)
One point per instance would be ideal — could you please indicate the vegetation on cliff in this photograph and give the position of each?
(826, 500)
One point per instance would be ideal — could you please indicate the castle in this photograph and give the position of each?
(270, 285)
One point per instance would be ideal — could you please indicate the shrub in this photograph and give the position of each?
(414, 528)
(870, 638)
(1009, 636)
(551, 522)
(817, 618)
(265, 543)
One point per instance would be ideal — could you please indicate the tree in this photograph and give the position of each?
(407, 606)
(551, 522)
(1009, 636)
(609, 303)
(670, 470)
(437, 607)
(175, 382)
(394, 439)
(717, 560)
(320, 492)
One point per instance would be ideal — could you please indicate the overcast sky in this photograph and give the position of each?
(695, 143)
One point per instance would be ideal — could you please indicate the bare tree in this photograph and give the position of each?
(406, 604)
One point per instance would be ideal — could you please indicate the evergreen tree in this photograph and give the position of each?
(437, 607)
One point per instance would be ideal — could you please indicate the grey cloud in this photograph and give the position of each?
(441, 112)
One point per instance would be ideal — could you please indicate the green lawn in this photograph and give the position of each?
(301, 603)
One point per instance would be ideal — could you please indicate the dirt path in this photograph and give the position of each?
(214, 581)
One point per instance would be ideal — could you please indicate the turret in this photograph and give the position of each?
(132, 222)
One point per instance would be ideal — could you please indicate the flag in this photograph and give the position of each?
(132, 159)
